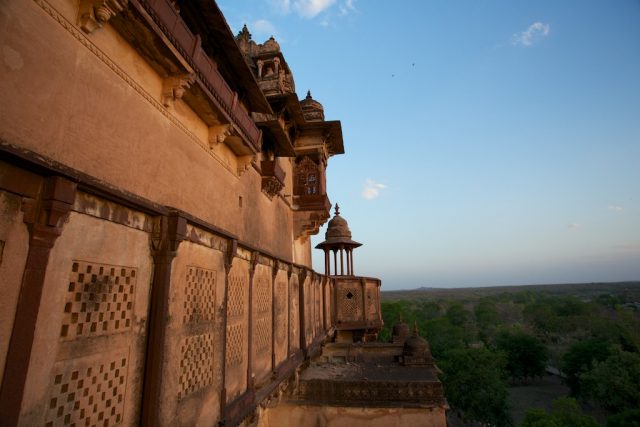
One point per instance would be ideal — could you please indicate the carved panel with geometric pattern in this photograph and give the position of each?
(98, 301)
(351, 302)
(235, 339)
(199, 295)
(294, 321)
(196, 366)
(88, 391)
(281, 311)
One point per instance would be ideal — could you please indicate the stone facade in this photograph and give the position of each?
(159, 180)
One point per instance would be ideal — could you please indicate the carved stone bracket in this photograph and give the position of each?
(173, 88)
(271, 186)
(272, 178)
(217, 134)
(230, 254)
(227, 134)
(244, 162)
(95, 13)
(167, 234)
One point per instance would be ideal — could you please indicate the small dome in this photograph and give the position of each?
(416, 348)
(337, 227)
(312, 110)
(338, 233)
(400, 331)
(271, 45)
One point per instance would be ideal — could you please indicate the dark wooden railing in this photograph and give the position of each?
(188, 44)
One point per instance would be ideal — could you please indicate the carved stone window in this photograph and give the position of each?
(307, 178)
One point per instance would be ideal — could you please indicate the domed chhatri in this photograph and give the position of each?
(338, 239)
(416, 350)
(312, 110)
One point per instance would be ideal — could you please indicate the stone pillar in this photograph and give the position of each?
(45, 217)
(301, 306)
(169, 232)
(232, 248)
(351, 261)
(250, 326)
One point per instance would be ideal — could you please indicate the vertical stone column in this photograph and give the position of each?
(363, 284)
(250, 326)
(274, 274)
(351, 262)
(325, 324)
(169, 232)
(45, 217)
(327, 261)
(232, 248)
(301, 305)
(289, 319)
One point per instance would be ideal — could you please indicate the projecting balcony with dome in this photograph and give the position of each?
(356, 298)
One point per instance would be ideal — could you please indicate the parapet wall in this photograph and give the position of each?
(357, 303)
(140, 313)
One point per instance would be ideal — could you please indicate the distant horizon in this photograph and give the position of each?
(511, 285)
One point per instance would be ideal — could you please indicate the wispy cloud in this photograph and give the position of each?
(311, 8)
(347, 7)
(574, 225)
(372, 189)
(281, 6)
(615, 208)
(536, 31)
(263, 28)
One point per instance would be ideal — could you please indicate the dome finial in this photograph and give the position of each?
(244, 33)
(337, 212)
(308, 94)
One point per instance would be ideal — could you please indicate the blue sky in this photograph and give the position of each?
(488, 142)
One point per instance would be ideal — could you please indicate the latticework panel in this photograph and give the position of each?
(235, 345)
(88, 392)
(262, 322)
(99, 300)
(199, 295)
(351, 301)
(236, 296)
(263, 336)
(263, 295)
(196, 366)
(281, 312)
(294, 320)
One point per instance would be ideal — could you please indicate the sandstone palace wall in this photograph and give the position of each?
(153, 269)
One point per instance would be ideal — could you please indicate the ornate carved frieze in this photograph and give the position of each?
(95, 13)
(173, 88)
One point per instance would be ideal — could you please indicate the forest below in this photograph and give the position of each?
(494, 345)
